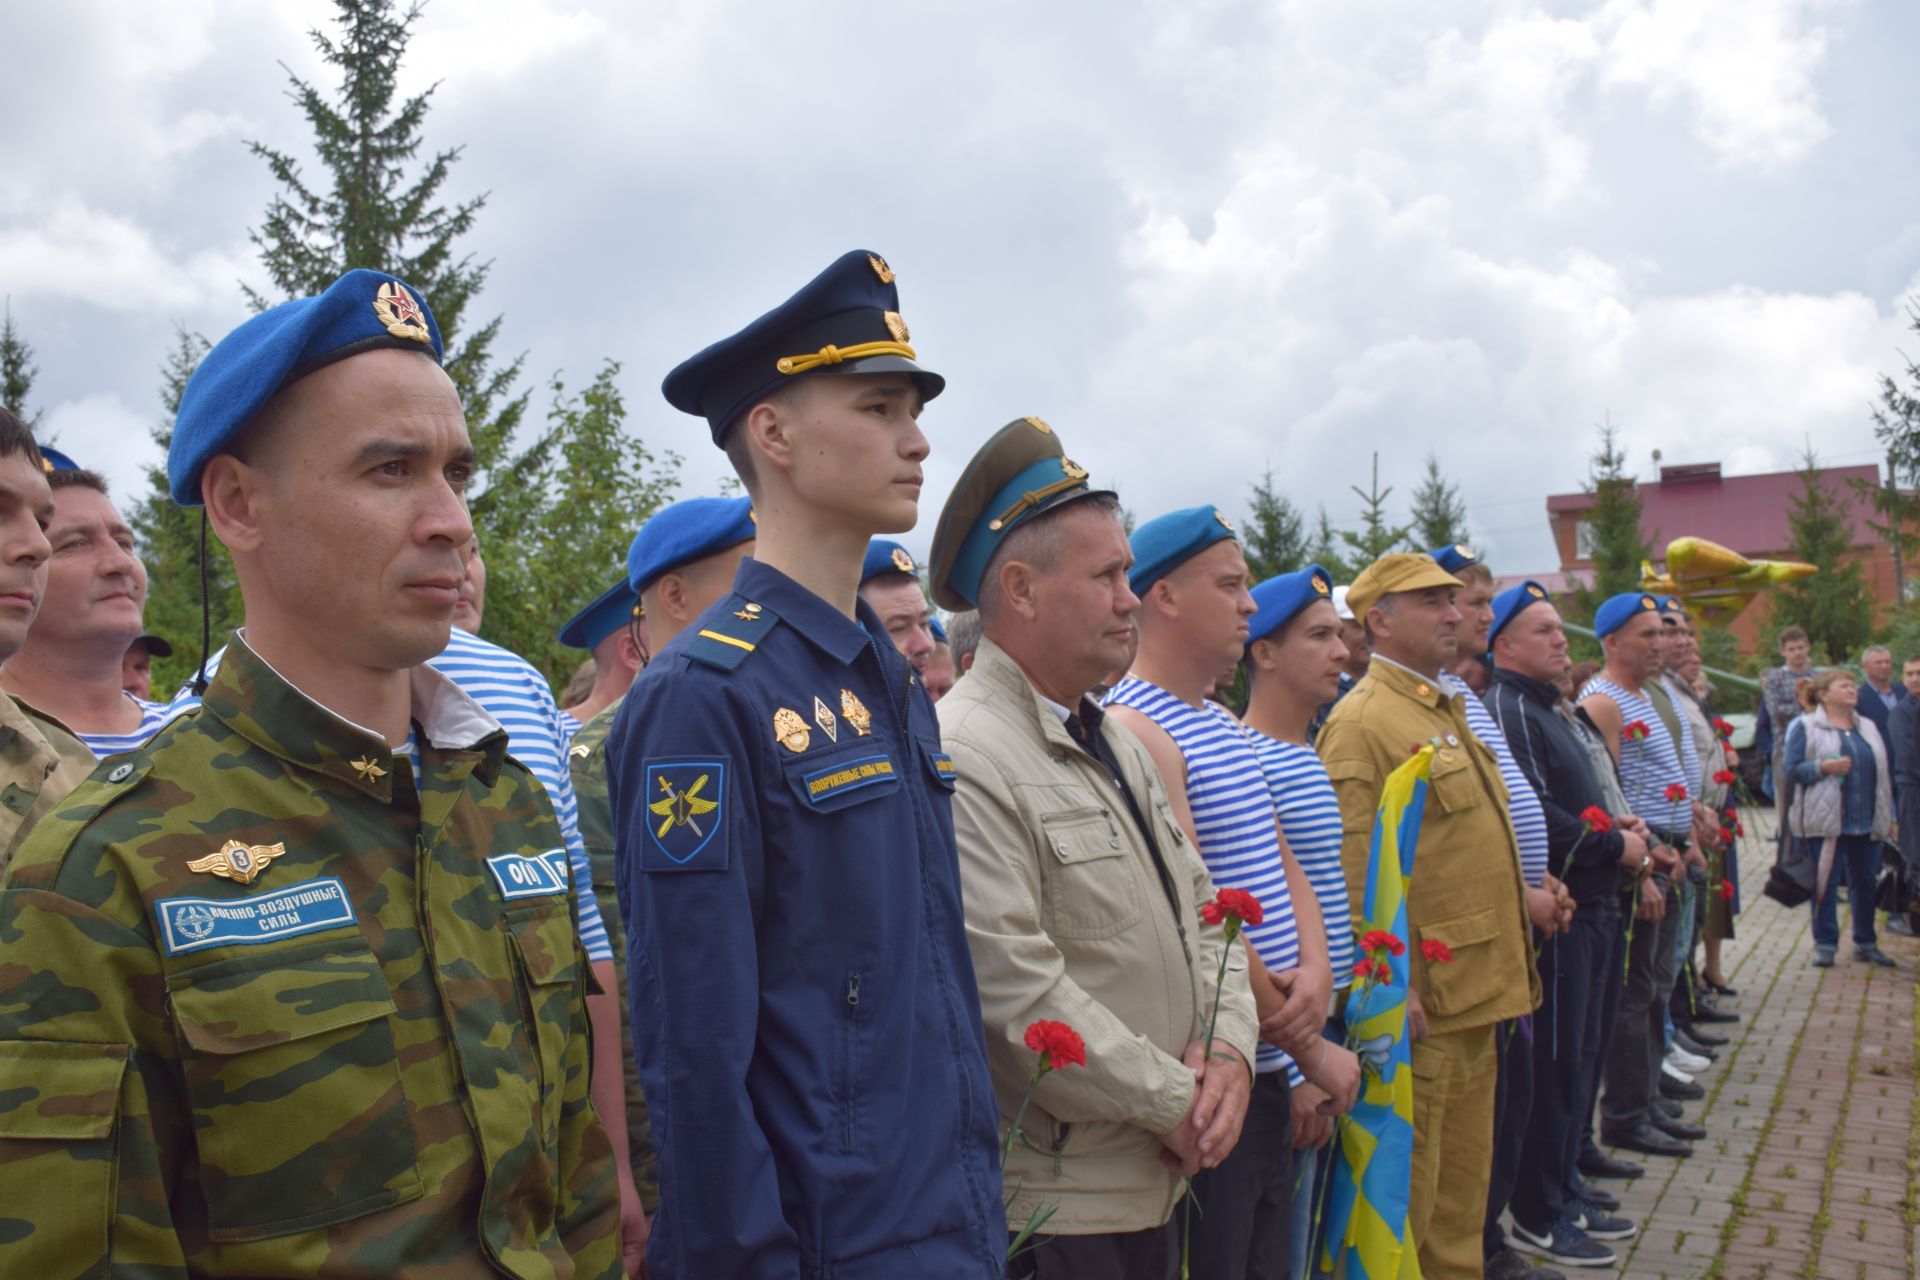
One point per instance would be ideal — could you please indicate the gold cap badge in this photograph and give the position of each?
(790, 731)
(1320, 585)
(1040, 426)
(1536, 592)
(855, 713)
(367, 768)
(236, 861)
(1224, 522)
(902, 561)
(401, 312)
(881, 269)
(897, 327)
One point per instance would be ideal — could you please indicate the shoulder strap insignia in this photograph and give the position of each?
(731, 632)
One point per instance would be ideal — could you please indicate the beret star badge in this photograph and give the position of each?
(902, 561)
(237, 861)
(401, 314)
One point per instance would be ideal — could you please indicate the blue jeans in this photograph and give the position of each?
(1855, 860)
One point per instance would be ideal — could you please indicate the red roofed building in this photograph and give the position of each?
(1747, 514)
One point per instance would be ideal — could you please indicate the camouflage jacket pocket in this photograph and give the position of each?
(59, 1103)
(289, 1064)
(544, 940)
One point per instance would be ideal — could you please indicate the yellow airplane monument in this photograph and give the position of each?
(1717, 584)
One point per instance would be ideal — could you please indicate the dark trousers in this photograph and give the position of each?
(1572, 974)
(1632, 1072)
(1243, 1218)
(1855, 860)
(1133, 1255)
(1602, 1016)
(1513, 1101)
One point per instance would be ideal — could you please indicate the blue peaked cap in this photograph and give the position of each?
(845, 320)
(1277, 600)
(1453, 557)
(685, 531)
(886, 556)
(1617, 610)
(1509, 604)
(1164, 543)
(361, 311)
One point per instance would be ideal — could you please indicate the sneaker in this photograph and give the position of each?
(1674, 1073)
(1687, 1062)
(1581, 1189)
(1899, 925)
(1872, 954)
(1823, 957)
(1565, 1244)
(1692, 1044)
(1599, 1224)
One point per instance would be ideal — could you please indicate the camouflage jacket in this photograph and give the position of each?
(268, 1008)
(587, 760)
(40, 762)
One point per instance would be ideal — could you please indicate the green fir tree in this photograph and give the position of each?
(17, 370)
(1439, 513)
(1377, 535)
(1833, 605)
(1618, 548)
(1275, 534)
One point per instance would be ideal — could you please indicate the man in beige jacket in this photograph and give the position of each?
(1083, 892)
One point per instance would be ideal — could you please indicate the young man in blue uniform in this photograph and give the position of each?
(806, 1022)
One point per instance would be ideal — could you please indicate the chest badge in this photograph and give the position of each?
(678, 808)
(823, 716)
(367, 768)
(790, 731)
(856, 714)
(236, 861)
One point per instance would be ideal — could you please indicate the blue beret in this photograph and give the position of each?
(1279, 598)
(691, 529)
(52, 460)
(361, 311)
(939, 630)
(886, 556)
(844, 320)
(610, 611)
(1614, 613)
(1022, 471)
(1509, 603)
(1164, 543)
(1672, 604)
(1453, 557)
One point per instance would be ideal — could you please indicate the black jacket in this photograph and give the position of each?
(1562, 773)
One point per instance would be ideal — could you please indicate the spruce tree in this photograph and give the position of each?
(1832, 606)
(17, 370)
(1618, 548)
(1324, 548)
(1439, 514)
(1896, 424)
(1275, 536)
(1377, 535)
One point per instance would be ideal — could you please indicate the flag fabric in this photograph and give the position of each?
(1366, 1218)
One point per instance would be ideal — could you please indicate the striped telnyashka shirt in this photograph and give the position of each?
(1523, 802)
(1649, 765)
(1234, 819)
(1310, 820)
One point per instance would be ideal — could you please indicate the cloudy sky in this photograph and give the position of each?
(1198, 238)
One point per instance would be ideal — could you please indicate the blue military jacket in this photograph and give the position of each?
(804, 1013)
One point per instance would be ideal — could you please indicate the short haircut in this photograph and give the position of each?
(1385, 604)
(1872, 649)
(963, 633)
(15, 438)
(733, 440)
(1475, 572)
(80, 478)
(1038, 542)
(1911, 659)
(1789, 634)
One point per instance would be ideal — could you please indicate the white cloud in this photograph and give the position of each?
(77, 254)
(105, 434)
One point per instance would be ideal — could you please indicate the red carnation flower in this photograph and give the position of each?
(1056, 1042)
(1634, 731)
(1726, 890)
(1726, 835)
(1724, 777)
(1596, 818)
(1375, 941)
(1436, 951)
(1739, 828)
(1233, 902)
(1676, 791)
(1723, 727)
(1363, 969)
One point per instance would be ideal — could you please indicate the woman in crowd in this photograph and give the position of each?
(1841, 807)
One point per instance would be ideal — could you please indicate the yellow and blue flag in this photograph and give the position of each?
(1366, 1219)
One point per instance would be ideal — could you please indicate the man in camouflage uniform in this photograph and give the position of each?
(681, 561)
(296, 988)
(40, 760)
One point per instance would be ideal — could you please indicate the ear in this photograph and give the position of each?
(1161, 596)
(1263, 654)
(672, 590)
(768, 427)
(628, 648)
(1019, 588)
(233, 493)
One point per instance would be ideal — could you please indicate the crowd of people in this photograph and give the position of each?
(857, 917)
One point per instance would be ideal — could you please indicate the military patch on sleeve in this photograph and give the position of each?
(523, 877)
(686, 812)
(193, 924)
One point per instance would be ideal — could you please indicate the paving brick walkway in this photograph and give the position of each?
(1809, 1167)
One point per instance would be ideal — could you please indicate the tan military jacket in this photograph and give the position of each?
(274, 1003)
(1466, 889)
(1067, 919)
(40, 761)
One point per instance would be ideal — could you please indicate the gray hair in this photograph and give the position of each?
(963, 635)
(1872, 649)
(1037, 542)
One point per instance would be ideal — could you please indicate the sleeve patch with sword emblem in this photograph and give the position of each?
(687, 807)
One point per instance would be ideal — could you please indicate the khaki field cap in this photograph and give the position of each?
(1401, 571)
